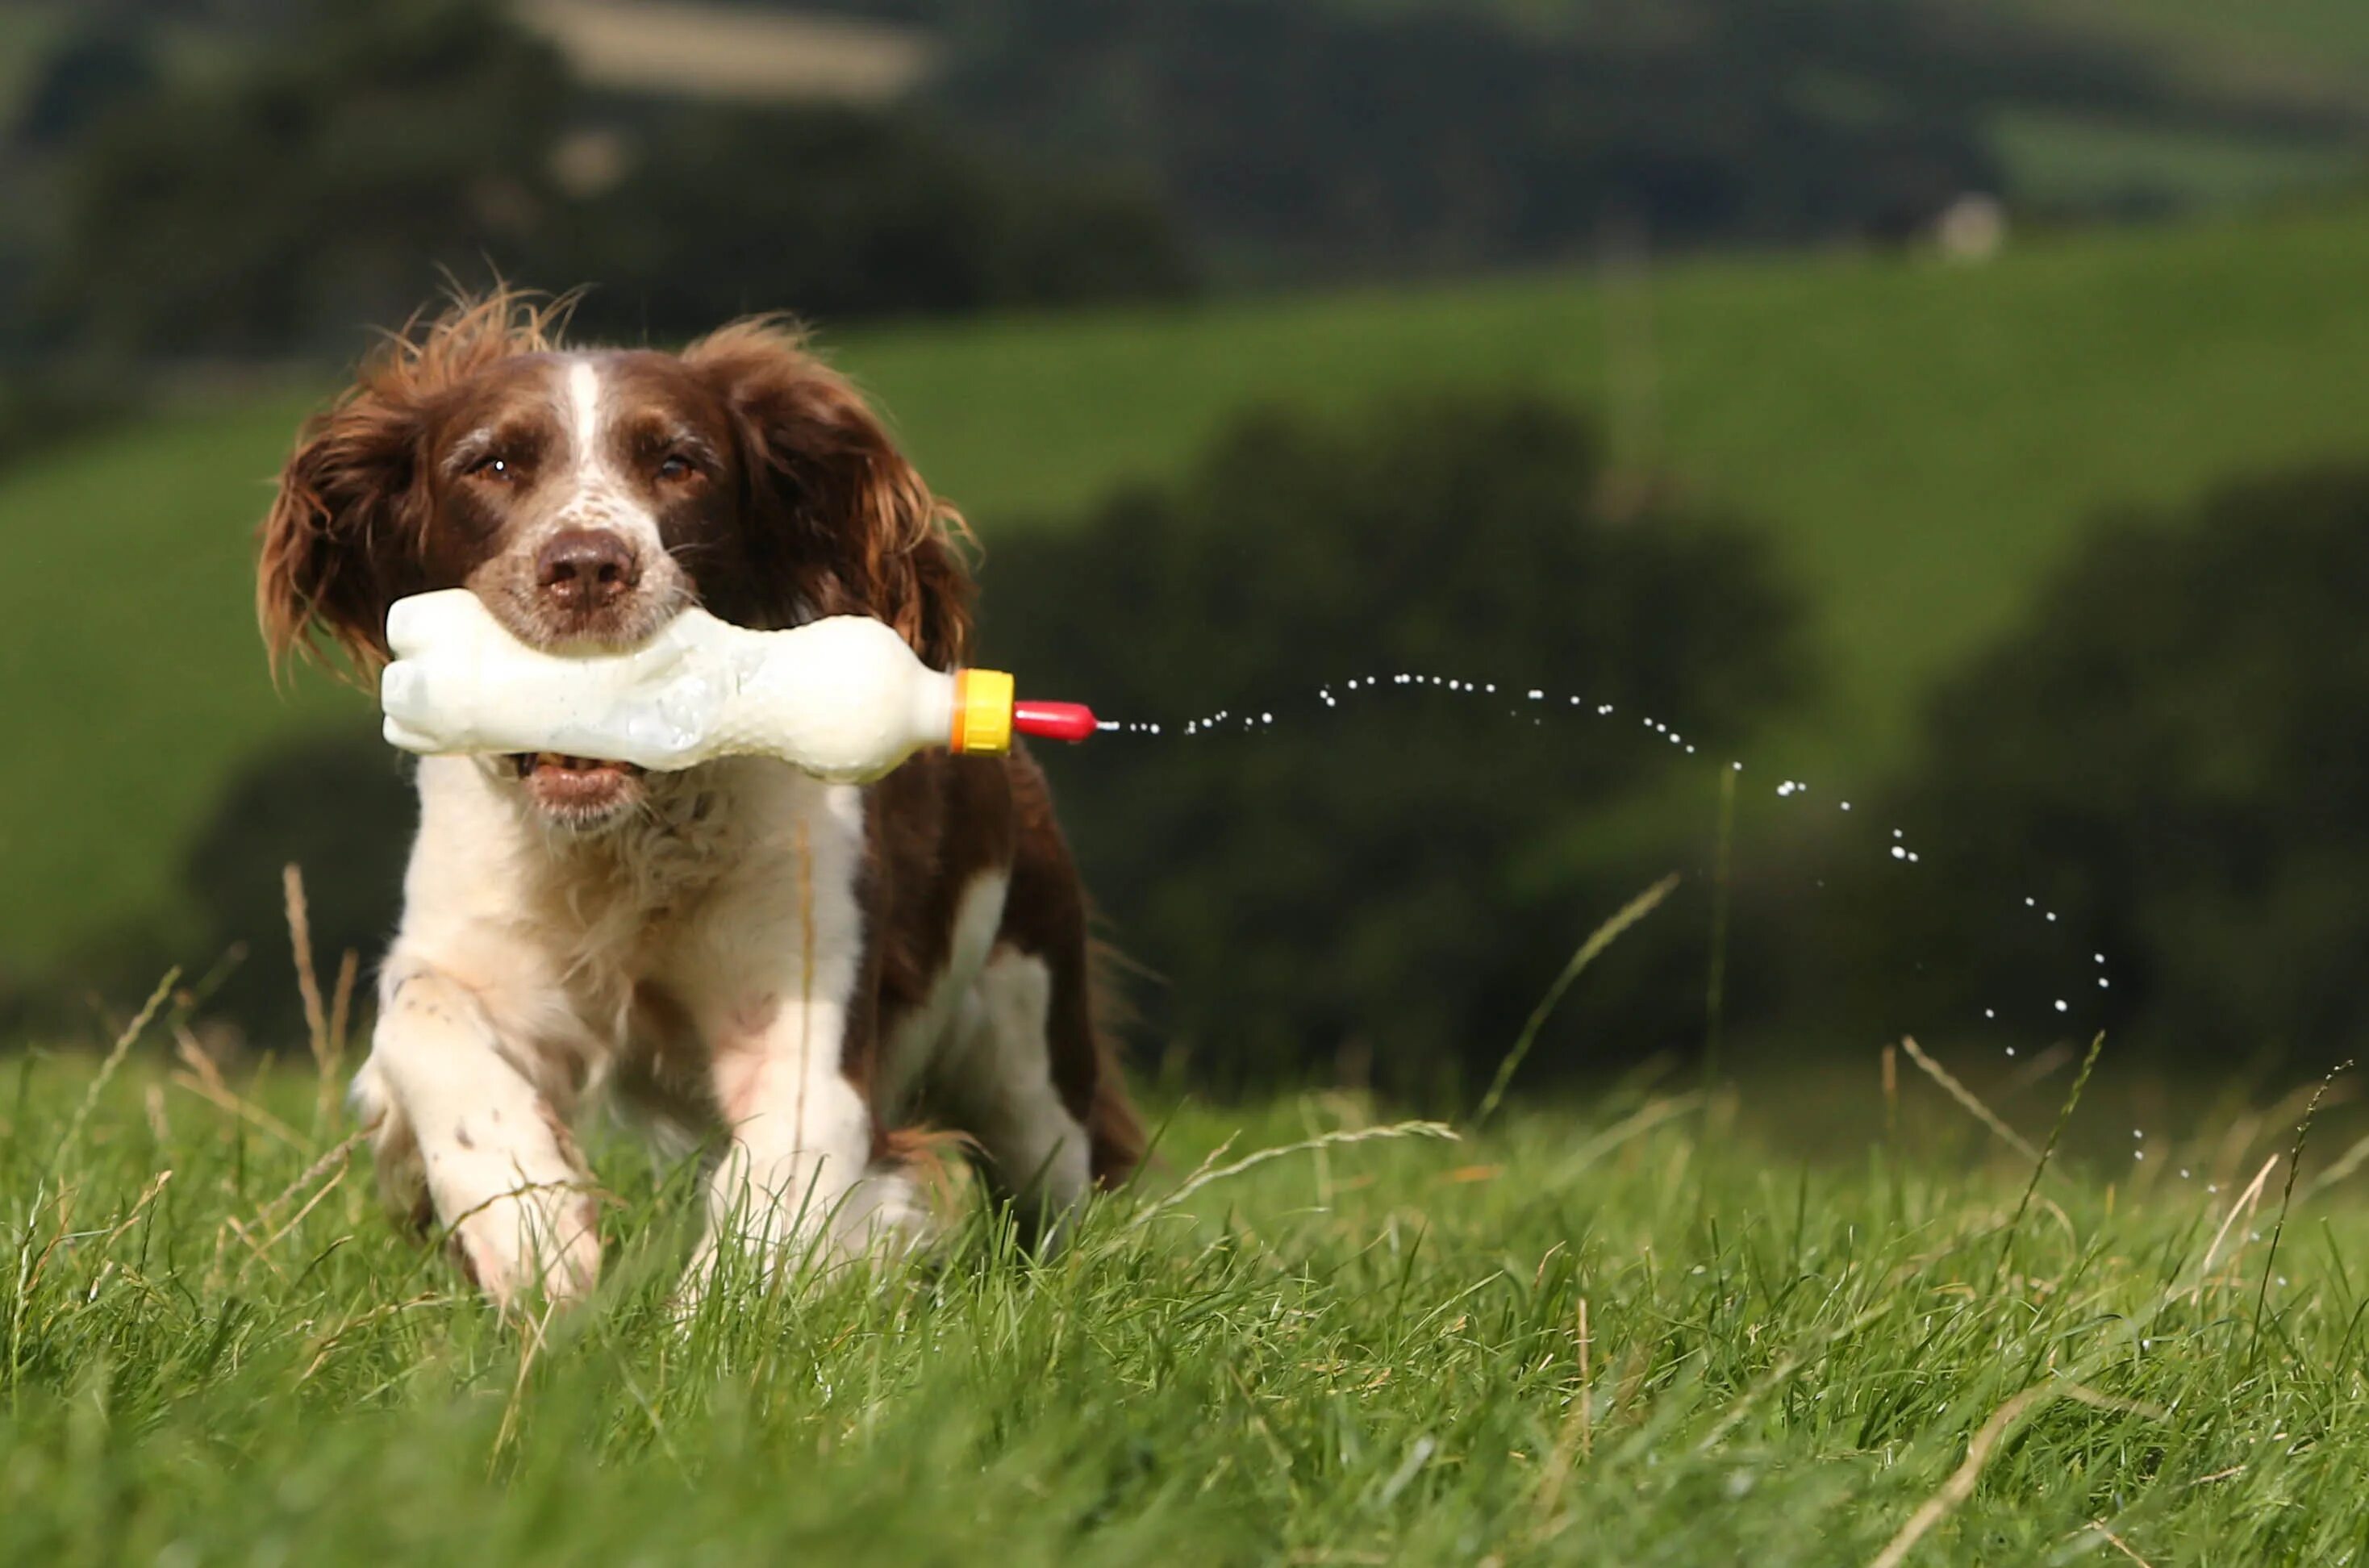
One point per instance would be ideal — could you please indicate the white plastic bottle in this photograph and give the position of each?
(844, 698)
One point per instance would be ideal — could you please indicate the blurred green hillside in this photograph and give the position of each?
(1926, 440)
(2322, 34)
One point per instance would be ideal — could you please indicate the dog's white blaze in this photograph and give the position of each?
(600, 498)
(584, 403)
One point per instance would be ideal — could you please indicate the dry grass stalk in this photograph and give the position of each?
(1961, 1485)
(106, 1069)
(1965, 1096)
(2245, 1204)
(204, 1080)
(308, 987)
(341, 1003)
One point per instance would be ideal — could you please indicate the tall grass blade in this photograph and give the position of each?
(1604, 936)
(2040, 1167)
(1715, 986)
(2286, 1199)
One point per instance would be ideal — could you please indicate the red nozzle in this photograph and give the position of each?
(1054, 721)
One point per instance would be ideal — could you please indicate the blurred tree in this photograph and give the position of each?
(314, 191)
(98, 68)
(1431, 134)
(320, 186)
(840, 213)
(1435, 136)
(340, 805)
(2172, 755)
(1401, 878)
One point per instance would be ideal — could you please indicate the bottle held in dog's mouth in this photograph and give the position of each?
(845, 699)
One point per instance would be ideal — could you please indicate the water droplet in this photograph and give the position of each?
(1536, 695)
(2063, 1007)
(1899, 853)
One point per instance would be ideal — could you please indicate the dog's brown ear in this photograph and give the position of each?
(347, 532)
(342, 541)
(845, 526)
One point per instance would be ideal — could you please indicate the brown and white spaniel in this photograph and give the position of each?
(808, 973)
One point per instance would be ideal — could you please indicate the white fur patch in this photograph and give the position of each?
(922, 1037)
(601, 499)
(488, 1148)
(999, 1084)
(584, 403)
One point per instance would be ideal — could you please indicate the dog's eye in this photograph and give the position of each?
(499, 469)
(674, 466)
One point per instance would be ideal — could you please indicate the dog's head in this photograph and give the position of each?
(586, 497)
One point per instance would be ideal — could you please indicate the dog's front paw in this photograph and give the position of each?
(886, 1218)
(541, 1245)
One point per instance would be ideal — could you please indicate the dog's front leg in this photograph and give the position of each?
(795, 1184)
(448, 1110)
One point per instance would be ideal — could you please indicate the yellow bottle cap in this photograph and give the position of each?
(982, 712)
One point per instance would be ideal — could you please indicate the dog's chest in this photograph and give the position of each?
(735, 863)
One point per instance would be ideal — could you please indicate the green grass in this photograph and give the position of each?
(1618, 1335)
(1925, 440)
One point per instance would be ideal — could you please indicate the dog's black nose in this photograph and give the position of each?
(584, 569)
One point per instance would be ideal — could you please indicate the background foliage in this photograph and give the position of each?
(1308, 886)
(1782, 495)
(2171, 754)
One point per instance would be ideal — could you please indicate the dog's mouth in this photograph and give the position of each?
(579, 791)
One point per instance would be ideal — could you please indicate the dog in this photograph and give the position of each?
(809, 975)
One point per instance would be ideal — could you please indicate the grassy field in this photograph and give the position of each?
(1925, 440)
(1630, 1334)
